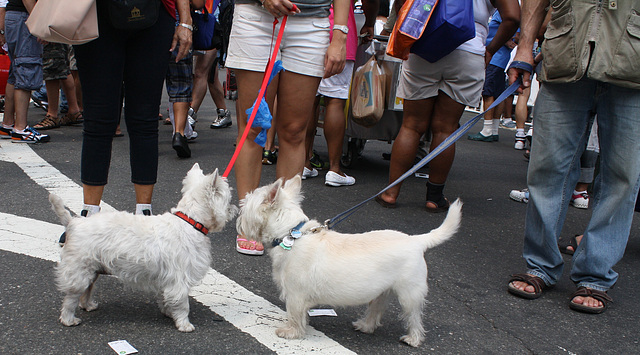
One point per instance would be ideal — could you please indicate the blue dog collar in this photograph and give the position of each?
(287, 242)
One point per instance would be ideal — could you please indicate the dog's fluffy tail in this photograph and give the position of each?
(57, 205)
(446, 230)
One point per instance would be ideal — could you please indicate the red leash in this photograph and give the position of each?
(263, 89)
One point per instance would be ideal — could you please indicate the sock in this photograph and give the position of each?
(579, 192)
(495, 126)
(141, 207)
(91, 209)
(7, 127)
(520, 132)
(487, 128)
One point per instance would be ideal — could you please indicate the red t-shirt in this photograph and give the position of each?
(170, 5)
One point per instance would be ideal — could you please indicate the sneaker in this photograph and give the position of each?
(335, 179)
(192, 136)
(269, 157)
(5, 133)
(192, 117)
(223, 120)
(511, 124)
(318, 163)
(309, 173)
(520, 141)
(29, 135)
(39, 100)
(482, 138)
(580, 200)
(520, 195)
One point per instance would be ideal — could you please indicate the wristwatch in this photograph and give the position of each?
(342, 28)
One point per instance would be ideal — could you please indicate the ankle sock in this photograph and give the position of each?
(7, 126)
(520, 132)
(495, 126)
(91, 209)
(142, 207)
(575, 192)
(487, 128)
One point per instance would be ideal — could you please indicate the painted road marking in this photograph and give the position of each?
(248, 312)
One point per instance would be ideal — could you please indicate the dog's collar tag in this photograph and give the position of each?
(288, 241)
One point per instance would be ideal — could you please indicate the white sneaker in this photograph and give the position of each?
(309, 173)
(580, 200)
(192, 136)
(519, 143)
(520, 195)
(335, 179)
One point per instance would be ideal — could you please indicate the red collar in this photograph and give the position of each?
(197, 225)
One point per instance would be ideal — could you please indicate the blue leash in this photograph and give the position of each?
(440, 148)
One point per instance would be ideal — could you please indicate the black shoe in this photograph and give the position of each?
(146, 212)
(180, 145)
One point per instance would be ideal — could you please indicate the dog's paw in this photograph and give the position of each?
(70, 322)
(411, 340)
(289, 333)
(363, 326)
(185, 327)
(89, 306)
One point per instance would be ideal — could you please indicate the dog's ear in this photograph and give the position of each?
(294, 185)
(273, 190)
(195, 169)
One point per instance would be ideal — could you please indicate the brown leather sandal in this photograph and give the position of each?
(537, 283)
(589, 292)
(48, 122)
(72, 118)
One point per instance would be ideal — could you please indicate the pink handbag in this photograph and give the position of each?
(64, 21)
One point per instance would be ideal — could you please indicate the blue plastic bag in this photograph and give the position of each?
(450, 25)
(263, 116)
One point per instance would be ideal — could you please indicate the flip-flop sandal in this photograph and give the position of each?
(589, 292)
(441, 206)
(564, 244)
(384, 203)
(537, 283)
(246, 251)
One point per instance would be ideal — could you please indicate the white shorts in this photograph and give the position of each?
(337, 86)
(460, 75)
(303, 48)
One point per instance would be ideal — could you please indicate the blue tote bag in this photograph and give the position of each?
(450, 25)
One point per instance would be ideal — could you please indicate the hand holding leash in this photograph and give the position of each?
(521, 67)
(279, 8)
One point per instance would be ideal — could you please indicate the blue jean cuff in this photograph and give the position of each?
(544, 277)
(592, 286)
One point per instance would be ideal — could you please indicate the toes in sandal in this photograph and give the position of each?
(589, 292)
(248, 251)
(537, 283)
(564, 244)
(72, 118)
(48, 122)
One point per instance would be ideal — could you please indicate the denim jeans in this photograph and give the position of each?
(563, 118)
(139, 58)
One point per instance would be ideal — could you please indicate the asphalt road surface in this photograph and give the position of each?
(236, 309)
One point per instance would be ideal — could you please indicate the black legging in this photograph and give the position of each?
(139, 58)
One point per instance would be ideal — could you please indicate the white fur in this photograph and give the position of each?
(327, 267)
(160, 254)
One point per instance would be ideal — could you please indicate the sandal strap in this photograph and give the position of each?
(47, 121)
(601, 296)
(535, 281)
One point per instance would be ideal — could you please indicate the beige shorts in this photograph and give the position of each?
(337, 86)
(303, 46)
(460, 75)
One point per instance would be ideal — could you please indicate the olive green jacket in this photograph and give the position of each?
(594, 37)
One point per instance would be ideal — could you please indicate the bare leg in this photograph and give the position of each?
(416, 120)
(334, 127)
(295, 111)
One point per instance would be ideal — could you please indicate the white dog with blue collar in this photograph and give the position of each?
(314, 265)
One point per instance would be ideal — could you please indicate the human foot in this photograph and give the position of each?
(569, 247)
(589, 300)
(526, 286)
(248, 247)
